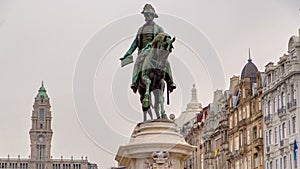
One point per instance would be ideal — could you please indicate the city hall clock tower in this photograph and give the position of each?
(41, 132)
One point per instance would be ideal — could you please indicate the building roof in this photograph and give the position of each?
(42, 92)
(249, 71)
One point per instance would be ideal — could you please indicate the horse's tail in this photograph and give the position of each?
(168, 95)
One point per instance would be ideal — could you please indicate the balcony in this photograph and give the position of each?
(242, 150)
(242, 123)
(281, 112)
(292, 104)
(232, 154)
(258, 143)
(281, 144)
(209, 155)
(268, 118)
(257, 115)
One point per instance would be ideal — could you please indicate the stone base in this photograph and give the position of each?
(154, 144)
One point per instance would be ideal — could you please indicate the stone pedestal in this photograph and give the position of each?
(154, 145)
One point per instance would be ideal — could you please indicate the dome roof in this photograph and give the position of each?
(249, 71)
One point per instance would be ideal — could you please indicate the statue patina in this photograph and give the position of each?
(149, 74)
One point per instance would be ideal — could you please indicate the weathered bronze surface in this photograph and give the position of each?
(151, 67)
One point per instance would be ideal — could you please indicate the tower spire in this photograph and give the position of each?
(194, 94)
(249, 56)
(42, 92)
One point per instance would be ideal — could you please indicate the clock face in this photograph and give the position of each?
(40, 138)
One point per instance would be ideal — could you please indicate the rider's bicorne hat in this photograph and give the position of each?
(149, 9)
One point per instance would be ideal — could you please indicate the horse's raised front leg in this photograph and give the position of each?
(146, 103)
(162, 100)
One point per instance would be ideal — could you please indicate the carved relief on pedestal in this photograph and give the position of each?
(160, 160)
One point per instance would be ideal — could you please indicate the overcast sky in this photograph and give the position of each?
(74, 47)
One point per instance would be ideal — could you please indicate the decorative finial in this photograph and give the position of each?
(249, 56)
(42, 83)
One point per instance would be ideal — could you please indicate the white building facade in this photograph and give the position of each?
(281, 95)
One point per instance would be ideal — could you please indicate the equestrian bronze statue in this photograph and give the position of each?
(151, 69)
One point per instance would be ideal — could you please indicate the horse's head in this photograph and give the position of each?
(163, 45)
(163, 41)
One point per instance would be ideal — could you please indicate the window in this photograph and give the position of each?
(291, 162)
(279, 102)
(270, 136)
(249, 162)
(269, 107)
(271, 165)
(201, 161)
(283, 130)
(284, 162)
(276, 167)
(241, 139)
(261, 158)
(282, 99)
(42, 114)
(280, 133)
(275, 135)
(240, 115)
(245, 136)
(292, 93)
(236, 143)
(255, 160)
(275, 104)
(40, 151)
(248, 136)
(235, 119)
(289, 128)
(282, 69)
(294, 124)
(237, 165)
(254, 132)
(248, 111)
(280, 163)
(267, 138)
(245, 163)
(41, 126)
(260, 133)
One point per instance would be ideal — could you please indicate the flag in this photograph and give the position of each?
(295, 149)
(216, 152)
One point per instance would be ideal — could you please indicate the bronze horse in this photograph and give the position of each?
(152, 75)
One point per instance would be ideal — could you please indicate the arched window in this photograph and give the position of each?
(282, 99)
(283, 130)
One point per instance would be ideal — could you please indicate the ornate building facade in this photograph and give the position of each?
(281, 109)
(215, 138)
(40, 139)
(246, 121)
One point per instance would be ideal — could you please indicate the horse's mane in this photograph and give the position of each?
(158, 38)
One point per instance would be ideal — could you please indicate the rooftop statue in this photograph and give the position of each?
(151, 67)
